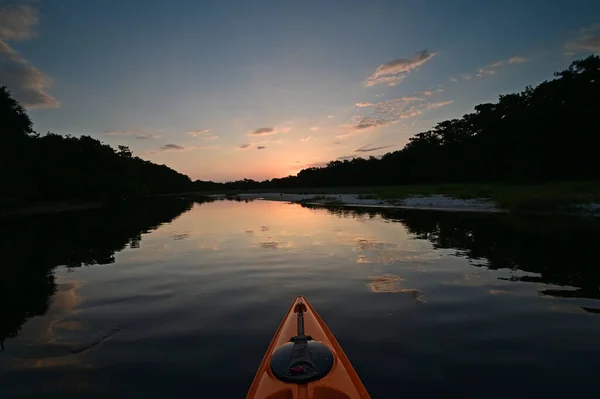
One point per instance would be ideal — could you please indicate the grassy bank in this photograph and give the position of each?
(560, 196)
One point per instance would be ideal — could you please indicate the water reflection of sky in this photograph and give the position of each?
(420, 289)
(276, 230)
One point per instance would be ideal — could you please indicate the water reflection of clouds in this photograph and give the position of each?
(388, 257)
(150, 252)
(568, 308)
(502, 292)
(372, 250)
(275, 244)
(391, 283)
(210, 246)
(368, 244)
(56, 341)
(48, 345)
(572, 303)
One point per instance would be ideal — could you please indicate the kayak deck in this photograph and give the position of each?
(341, 382)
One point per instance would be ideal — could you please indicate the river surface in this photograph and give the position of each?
(179, 298)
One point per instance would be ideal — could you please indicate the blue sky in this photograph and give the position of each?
(231, 89)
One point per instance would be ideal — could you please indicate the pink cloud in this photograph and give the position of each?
(138, 134)
(393, 72)
(27, 83)
(200, 132)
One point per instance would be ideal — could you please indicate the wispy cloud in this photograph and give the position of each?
(360, 124)
(365, 122)
(390, 111)
(517, 60)
(496, 64)
(404, 107)
(137, 134)
(394, 101)
(305, 166)
(28, 84)
(438, 104)
(261, 147)
(393, 72)
(204, 134)
(171, 147)
(485, 71)
(17, 21)
(314, 128)
(199, 132)
(366, 148)
(588, 40)
(267, 131)
(263, 131)
(492, 68)
(177, 147)
(244, 146)
(589, 28)
(305, 138)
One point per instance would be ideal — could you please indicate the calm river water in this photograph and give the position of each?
(176, 299)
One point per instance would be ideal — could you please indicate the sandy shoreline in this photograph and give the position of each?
(433, 202)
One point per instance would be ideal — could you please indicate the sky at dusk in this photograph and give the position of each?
(223, 90)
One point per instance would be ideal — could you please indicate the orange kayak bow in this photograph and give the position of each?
(305, 361)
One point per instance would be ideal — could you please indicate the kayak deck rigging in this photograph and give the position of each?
(309, 365)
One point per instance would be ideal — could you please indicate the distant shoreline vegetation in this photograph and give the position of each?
(540, 135)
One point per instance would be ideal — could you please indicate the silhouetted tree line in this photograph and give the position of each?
(549, 132)
(55, 167)
(32, 247)
(559, 251)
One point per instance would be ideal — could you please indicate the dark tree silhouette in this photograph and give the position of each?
(53, 167)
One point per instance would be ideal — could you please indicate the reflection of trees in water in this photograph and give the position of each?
(32, 247)
(560, 250)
